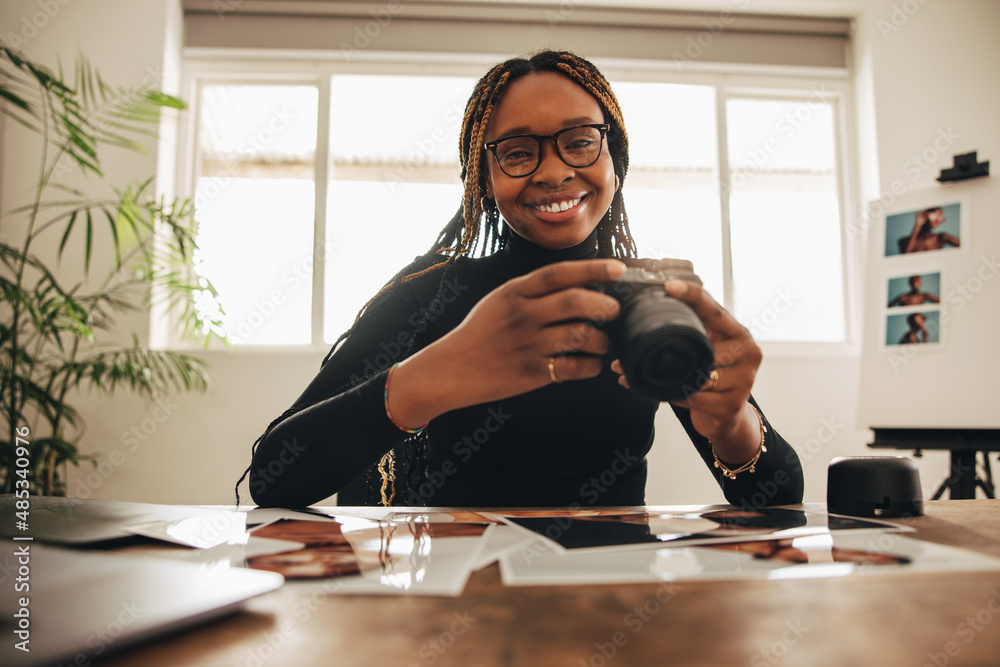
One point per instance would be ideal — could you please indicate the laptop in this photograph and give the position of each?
(80, 605)
(90, 523)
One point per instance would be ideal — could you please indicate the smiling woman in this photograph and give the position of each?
(497, 320)
(557, 186)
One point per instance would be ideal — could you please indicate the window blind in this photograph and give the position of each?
(352, 28)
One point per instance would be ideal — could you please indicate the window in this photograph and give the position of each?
(254, 200)
(300, 184)
(784, 219)
(394, 181)
(671, 189)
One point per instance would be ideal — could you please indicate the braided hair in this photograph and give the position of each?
(465, 230)
(476, 226)
(461, 234)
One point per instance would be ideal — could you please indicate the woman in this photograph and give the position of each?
(923, 237)
(477, 380)
(914, 297)
(917, 332)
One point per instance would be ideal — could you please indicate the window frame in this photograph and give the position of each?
(201, 67)
(838, 98)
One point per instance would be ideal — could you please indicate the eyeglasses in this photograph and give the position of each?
(577, 146)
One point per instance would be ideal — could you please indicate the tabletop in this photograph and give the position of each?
(911, 620)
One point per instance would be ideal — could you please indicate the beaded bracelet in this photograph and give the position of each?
(750, 465)
(412, 431)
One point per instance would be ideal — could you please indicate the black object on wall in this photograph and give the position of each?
(965, 166)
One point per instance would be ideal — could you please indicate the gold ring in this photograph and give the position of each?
(713, 380)
(552, 370)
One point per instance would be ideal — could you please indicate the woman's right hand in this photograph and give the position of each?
(504, 345)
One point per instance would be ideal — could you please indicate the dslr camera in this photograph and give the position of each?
(663, 346)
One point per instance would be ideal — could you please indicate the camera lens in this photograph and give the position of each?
(670, 360)
(663, 346)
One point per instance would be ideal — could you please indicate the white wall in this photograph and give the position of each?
(931, 70)
(936, 69)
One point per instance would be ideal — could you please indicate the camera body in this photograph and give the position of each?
(663, 347)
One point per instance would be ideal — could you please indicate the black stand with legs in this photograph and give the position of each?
(965, 444)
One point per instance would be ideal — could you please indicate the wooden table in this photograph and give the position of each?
(884, 621)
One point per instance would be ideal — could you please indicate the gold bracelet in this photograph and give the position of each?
(411, 431)
(749, 465)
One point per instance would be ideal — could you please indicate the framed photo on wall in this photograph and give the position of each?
(914, 289)
(919, 327)
(912, 312)
(926, 229)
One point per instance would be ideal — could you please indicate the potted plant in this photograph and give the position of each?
(55, 337)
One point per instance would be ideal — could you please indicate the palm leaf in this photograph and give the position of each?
(69, 228)
(16, 100)
(146, 372)
(89, 243)
(51, 345)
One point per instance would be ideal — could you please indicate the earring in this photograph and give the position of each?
(485, 202)
(617, 182)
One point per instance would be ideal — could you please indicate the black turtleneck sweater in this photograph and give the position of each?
(580, 443)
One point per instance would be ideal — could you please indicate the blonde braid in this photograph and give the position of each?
(483, 102)
(600, 90)
(472, 209)
(583, 73)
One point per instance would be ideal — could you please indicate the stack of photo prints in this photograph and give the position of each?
(435, 552)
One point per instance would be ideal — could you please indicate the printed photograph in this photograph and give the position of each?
(327, 552)
(918, 328)
(915, 290)
(923, 230)
(634, 528)
(395, 551)
(804, 551)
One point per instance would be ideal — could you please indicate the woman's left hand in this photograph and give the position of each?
(720, 411)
